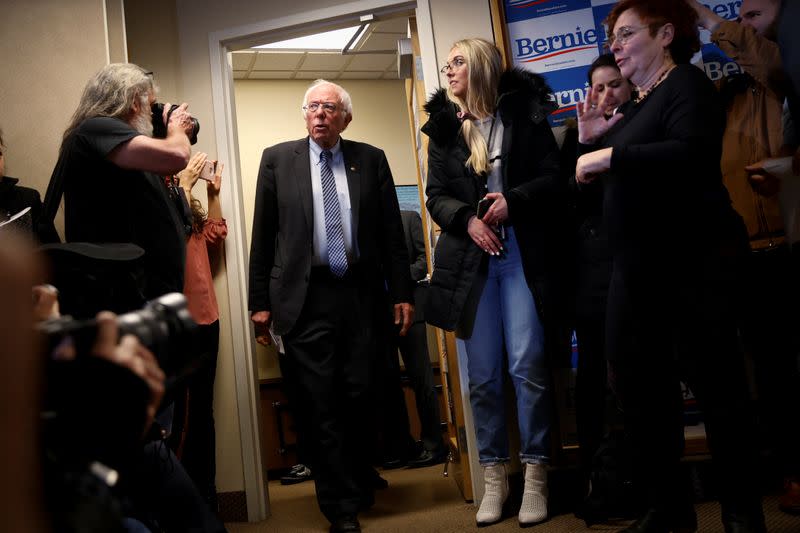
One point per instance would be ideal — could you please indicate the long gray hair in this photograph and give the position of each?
(111, 92)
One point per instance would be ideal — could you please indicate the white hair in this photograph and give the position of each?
(344, 96)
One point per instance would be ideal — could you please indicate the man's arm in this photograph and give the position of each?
(159, 156)
(757, 55)
(262, 247)
(393, 253)
(419, 268)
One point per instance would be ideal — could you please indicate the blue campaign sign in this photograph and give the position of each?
(554, 43)
(716, 63)
(569, 87)
(600, 12)
(527, 9)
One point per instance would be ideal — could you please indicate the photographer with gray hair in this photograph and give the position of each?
(110, 169)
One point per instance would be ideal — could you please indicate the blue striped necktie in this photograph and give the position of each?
(337, 254)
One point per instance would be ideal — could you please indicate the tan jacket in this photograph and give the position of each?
(754, 128)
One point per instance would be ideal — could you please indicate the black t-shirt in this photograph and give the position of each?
(106, 203)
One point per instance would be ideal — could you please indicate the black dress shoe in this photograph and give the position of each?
(297, 474)
(345, 524)
(654, 521)
(428, 458)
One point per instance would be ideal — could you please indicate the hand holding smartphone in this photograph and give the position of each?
(208, 171)
(483, 206)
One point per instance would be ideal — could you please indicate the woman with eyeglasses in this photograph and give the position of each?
(493, 189)
(677, 247)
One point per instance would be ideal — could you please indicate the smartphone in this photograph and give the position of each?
(483, 206)
(209, 170)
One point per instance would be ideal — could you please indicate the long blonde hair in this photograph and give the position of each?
(484, 67)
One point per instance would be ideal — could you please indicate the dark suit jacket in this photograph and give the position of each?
(283, 227)
(415, 244)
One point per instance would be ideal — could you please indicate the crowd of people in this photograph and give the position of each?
(656, 232)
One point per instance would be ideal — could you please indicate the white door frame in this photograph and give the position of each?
(236, 250)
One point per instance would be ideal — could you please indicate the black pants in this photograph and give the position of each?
(591, 385)
(769, 329)
(674, 317)
(199, 446)
(330, 351)
(414, 350)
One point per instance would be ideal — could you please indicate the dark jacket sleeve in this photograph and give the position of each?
(416, 251)
(545, 182)
(265, 227)
(449, 212)
(394, 255)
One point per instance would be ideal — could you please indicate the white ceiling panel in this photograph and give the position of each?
(328, 62)
(242, 60)
(360, 75)
(303, 75)
(271, 74)
(277, 61)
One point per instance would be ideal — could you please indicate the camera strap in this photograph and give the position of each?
(52, 199)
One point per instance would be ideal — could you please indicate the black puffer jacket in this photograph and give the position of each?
(536, 197)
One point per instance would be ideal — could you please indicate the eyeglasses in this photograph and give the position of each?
(328, 107)
(457, 63)
(623, 35)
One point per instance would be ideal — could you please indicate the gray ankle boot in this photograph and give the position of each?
(494, 495)
(534, 497)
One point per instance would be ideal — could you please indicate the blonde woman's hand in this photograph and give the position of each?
(484, 236)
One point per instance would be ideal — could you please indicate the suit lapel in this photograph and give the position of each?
(352, 167)
(302, 172)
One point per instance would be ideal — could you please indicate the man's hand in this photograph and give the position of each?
(705, 17)
(403, 317)
(189, 175)
(261, 321)
(45, 302)
(179, 120)
(498, 211)
(762, 181)
(131, 354)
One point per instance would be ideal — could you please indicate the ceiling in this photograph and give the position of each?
(263, 64)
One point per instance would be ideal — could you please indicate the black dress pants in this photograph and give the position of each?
(674, 317)
(330, 351)
(199, 448)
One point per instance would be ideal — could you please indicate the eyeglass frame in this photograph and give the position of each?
(457, 64)
(613, 37)
(328, 107)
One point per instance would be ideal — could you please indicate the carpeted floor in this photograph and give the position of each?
(421, 501)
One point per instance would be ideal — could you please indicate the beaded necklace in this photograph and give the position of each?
(644, 94)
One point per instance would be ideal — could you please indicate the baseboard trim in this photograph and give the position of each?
(232, 506)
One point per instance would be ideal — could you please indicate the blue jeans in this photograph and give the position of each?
(506, 318)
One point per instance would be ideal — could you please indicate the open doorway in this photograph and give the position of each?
(238, 201)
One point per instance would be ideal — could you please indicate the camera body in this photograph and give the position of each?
(164, 325)
(159, 126)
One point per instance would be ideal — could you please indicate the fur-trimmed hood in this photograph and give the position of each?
(519, 92)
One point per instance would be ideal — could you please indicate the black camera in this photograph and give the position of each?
(160, 128)
(164, 325)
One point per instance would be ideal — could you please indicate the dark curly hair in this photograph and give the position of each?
(199, 216)
(656, 13)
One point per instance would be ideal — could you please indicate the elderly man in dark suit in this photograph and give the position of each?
(327, 244)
